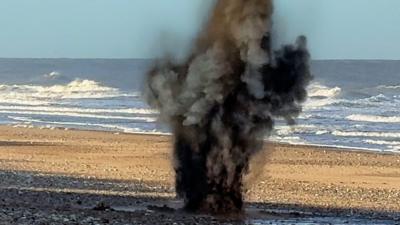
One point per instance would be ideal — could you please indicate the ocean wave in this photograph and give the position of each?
(83, 115)
(390, 87)
(52, 75)
(376, 101)
(294, 140)
(319, 90)
(374, 119)
(45, 109)
(392, 145)
(321, 95)
(300, 129)
(77, 89)
(366, 134)
(378, 98)
(27, 122)
(27, 101)
(380, 142)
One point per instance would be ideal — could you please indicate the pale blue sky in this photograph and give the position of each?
(337, 29)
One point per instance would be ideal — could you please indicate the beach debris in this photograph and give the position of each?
(222, 101)
(164, 208)
(101, 206)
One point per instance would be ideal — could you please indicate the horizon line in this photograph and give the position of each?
(117, 58)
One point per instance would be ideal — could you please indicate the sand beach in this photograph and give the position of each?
(56, 176)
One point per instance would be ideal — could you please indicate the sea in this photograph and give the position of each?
(352, 104)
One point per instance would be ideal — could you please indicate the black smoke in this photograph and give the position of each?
(223, 100)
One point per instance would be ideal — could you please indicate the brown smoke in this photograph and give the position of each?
(223, 100)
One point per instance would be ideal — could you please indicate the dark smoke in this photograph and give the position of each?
(222, 102)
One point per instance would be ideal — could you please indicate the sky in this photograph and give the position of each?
(336, 29)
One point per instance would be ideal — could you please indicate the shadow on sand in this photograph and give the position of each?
(43, 197)
(25, 143)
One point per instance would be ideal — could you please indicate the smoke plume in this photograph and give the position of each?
(222, 101)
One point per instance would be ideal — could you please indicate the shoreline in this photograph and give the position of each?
(325, 147)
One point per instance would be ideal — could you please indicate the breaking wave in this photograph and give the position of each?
(285, 130)
(77, 89)
(27, 121)
(321, 95)
(83, 115)
(52, 75)
(391, 87)
(366, 134)
(374, 119)
(45, 109)
(391, 145)
(319, 90)
(379, 142)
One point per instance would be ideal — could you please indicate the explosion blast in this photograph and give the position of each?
(222, 101)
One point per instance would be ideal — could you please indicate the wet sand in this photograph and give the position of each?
(86, 177)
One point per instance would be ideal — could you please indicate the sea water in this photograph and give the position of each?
(352, 104)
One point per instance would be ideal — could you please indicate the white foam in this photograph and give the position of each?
(52, 75)
(27, 122)
(293, 140)
(319, 90)
(78, 110)
(321, 95)
(20, 118)
(288, 130)
(380, 142)
(339, 147)
(366, 134)
(374, 101)
(374, 119)
(378, 98)
(392, 145)
(28, 101)
(391, 87)
(83, 115)
(77, 89)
